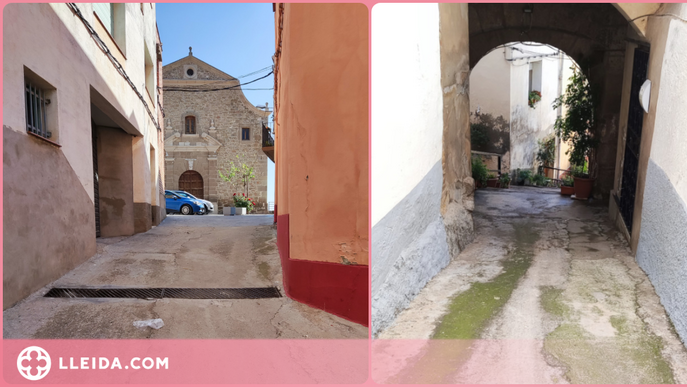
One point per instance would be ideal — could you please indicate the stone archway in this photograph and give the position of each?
(594, 35)
(192, 182)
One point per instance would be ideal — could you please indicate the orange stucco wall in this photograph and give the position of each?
(321, 102)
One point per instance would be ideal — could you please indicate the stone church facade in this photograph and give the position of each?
(208, 122)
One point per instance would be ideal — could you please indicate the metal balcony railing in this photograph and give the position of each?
(267, 139)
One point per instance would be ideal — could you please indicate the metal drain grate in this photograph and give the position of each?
(187, 293)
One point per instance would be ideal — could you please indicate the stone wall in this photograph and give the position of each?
(419, 221)
(220, 115)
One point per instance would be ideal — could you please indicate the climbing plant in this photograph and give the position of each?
(577, 126)
(478, 135)
(546, 154)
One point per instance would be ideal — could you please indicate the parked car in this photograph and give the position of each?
(184, 205)
(208, 205)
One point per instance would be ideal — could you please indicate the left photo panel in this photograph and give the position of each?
(187, 171)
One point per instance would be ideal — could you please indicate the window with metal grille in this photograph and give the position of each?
(36, 102)
(245, 134)
(190, 125)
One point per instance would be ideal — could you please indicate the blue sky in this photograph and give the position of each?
(235, 38)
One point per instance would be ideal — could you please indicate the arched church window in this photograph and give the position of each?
(190, 125)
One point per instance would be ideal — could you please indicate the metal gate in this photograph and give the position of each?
(633, 138)
(96, 188)
(192, 182)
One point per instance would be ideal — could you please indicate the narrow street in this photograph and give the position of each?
(547, 293)
(211, 251)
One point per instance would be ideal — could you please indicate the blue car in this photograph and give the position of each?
(183, 205)
(208, 205)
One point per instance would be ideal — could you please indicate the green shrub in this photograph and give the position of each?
(479, 171)
(540, 180)
(579, 171)
(524, 175)
(504, 180)
(567, 181)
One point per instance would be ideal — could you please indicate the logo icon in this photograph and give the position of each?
(33, 363)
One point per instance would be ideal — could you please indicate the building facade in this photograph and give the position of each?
(500, 84)
(82, 135)
(321, 155)
(208, 123)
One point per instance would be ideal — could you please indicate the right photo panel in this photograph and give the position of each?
(529, 193)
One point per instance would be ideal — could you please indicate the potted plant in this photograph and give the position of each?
(479, 172)
(492, 181)
(583, 184)
(534, 97)
(540, 180)
(242, 205)
(504, 180)
(567, 186)
(577, 127)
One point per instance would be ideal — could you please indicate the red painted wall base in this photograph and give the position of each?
(342, 290)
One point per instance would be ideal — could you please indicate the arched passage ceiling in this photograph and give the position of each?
(582, 31)
(637, 13)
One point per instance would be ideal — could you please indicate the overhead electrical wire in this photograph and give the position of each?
(255, 72)
(103, 47)
(233, 87)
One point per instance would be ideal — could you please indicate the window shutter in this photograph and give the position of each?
(105, 14)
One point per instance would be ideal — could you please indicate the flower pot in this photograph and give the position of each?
(235, 211)
(567, 190)
(583, 188)
(494, 183)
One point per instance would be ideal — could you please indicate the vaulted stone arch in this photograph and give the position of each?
(594, 35)
(583, 31)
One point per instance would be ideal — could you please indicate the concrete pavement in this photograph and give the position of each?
(210, 251)
(548, 293)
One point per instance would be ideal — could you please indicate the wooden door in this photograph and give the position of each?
(192, 182)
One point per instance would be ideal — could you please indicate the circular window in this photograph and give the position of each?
(189, 72)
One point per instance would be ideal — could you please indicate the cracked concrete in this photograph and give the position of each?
(583, 311)
(184, 251)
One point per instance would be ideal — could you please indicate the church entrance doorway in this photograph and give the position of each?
(192, 182)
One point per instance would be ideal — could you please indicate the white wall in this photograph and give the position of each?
(406, 100)
(499, 85)
(661, 247)
(409, 242)
(531, 124)
(490, 85)
(64, 54)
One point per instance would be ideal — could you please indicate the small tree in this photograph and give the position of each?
(238, 172)
(578, 124)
